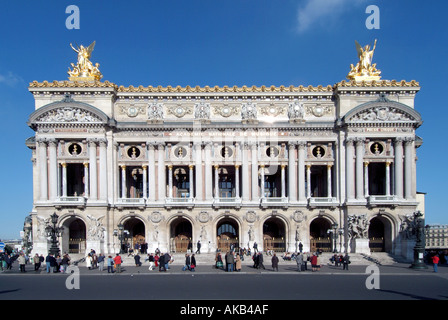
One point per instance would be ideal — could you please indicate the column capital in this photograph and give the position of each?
(144, 167)
(86, 164)
(64, 164)
(191, 166)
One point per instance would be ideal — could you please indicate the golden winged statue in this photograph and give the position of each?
(364, 69)
(84, 69)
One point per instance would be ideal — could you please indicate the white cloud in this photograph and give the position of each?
(323, 12)
(10, 79)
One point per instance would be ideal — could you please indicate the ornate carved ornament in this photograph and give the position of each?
(319, 109)
(132, 110)
(226, 109)
(272, 109)
(179, 110)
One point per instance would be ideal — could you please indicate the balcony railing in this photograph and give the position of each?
(227, 201)
(70, 201)
(179, 202)
(322, 201)
(381, 200)
(274, 201)
(131, 202)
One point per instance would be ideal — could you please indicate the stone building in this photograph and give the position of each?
(331, 167)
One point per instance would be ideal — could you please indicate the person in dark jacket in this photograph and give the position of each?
(162, 263)
(193, 263)
(229, 261)
(274, 262)
(137, 260)
(260, 261)
(187, 262)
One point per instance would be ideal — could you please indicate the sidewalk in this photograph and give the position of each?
(284, 268)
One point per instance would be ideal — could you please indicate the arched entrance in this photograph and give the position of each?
(319, 237)
(380, 238)
(134, 234)
(181, 235)
(76, 236)
(227, 233)
(274, 235)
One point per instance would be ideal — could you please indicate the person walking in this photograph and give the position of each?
(89, 261)
(229, 261)
(345, 262)
(110, 265)
(260, 261)
(48, 262)
(137, 260)
(22, 262)
(162, 263)
(313, 261)
(274, 262)
(299, 261)
(187, 262)
(36, 262)
(435, 262)
(118, 262)
(193, 263)
(65, 262)
(101, 258)
(198, 251)
(255, 247)
(151, 262)
(238, 262)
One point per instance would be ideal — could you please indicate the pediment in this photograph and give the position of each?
(68, 111)
(383, 110)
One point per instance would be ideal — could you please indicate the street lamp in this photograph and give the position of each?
(120, 236)
(340, 232)
(54, 232)
(335, 237)
(419, 248)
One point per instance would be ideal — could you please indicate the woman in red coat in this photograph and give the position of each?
(314, 262)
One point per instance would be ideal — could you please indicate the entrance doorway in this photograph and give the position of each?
(134, 230)
(274, 236)
(76, 236)
(319, 236)
(181, 234)
(227, 234)
(376, 235)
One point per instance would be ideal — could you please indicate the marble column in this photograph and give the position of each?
(237, 181)
(292, 182)
(408, 160)
(198, 163)
(145, 181)
(123, 182)
(64, 179)
(93, 170)
(170, 181)
(387, 178)
(262, 195)
(191, 180)
(398, 170)
(161, 173)
(329, 182)
(366, 179)
(86, 179)
(301, 170)
(43, 168)
(283, 180)
(208, 172)
(308, 181)
(103, 170)
(349, 169)
(359, 169)
(151, 172)
(253, 148)
(245, 171)
(216, 182)
(53, 169)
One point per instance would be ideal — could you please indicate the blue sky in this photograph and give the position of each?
(234, 42)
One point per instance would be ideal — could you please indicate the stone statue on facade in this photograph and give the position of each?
(202, 111)
(408, 226)
(96, 228)
(155, 112)
(358, 226)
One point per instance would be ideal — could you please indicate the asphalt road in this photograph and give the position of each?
(395, 282)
